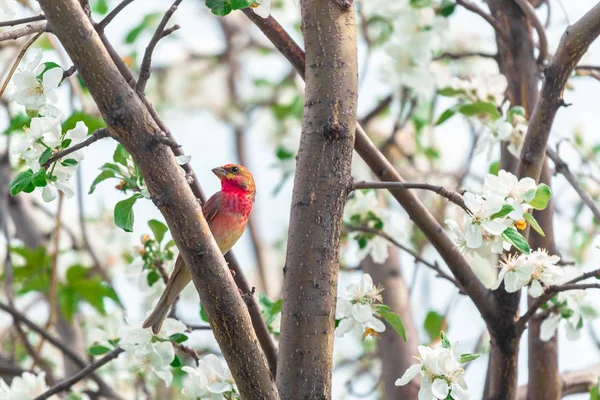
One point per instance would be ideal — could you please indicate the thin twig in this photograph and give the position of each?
(528, 10)
(158, 34)
(22, 21)
(551, 291)
(23, 31)
(67, 383)
(17, 61)
(490, 20)
(100, 26)
(434, 266)
(381, 106)
(97, 135)
(73, 356)
(454, 197)
(461, 56)
(561, 167)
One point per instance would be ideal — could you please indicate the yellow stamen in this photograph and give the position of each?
(144, 238)
(521, 224)
(369, 332)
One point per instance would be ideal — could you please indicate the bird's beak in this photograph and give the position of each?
(220, 172)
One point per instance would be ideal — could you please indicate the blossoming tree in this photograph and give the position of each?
(371, 120)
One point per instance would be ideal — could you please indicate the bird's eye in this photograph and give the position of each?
(234, 169)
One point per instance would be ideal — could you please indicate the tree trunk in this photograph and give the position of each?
(320, 189)
(130, 122)
(396, 354)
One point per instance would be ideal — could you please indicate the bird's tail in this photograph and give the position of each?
(178, 281)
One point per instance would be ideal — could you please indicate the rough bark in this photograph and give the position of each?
(517, 62)
(573, 45)
(130, 122)
(396, 354)
(320, 189)
(544, 376)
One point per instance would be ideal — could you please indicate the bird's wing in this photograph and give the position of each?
(211, 207)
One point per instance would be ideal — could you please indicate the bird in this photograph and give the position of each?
(227, 214)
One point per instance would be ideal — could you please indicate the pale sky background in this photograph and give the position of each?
(211, 143)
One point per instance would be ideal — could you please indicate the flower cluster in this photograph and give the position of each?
(497, 215)
(532, 269)
(26, 386)
(211, 379)
(510, 128)
(363, 210)
(153, 353)
(358, 309)
(417, 33)
(36, 85)
(441, 372)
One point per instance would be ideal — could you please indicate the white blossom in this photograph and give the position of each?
(515, 271)
(152, 355)
(211, 379)
(357, 308)
(26, 386)
(508, 186)
(441, 373)
(262, 9)
(479, 223)
(31, 92)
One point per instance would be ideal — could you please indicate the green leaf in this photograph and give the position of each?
(47, 66)
(104, 175)
(178, 338)
(494, 168)
(516, 239)
(76, 273)
(240, 4)
(219, 7)
(269, 309)
(420, 3)
(69, 162)
(433, 325)
(395, 321)
(203, 313)
(123, 213)
(595, 392)
(445, 342)
(506, 209)
(45, 156)
(176, 362)
(22, 183)
(158, 228)
(542, 197)
(98, 350)
(121, 155)
(514, 111)
(464, 358)
(450, 92)
(534, 224)
(67, 302)
(66, 143)
(446, 115)
(447, 8)
(100, 7)
(478, 108)
(283, 154)
(90, 121)
(39, 178)
(152, 277)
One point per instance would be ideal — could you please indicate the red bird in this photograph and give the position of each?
(227, 214)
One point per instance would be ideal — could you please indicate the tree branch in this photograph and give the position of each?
(100, 26)
(23, 31)
(386, 172)
(66, 350)
(22, 21)
(573, 45)
(552, 290)
(94, 137)
(572, 382)
(489, 19)
(158, 34)
(562, 168)
(538, 26)
(67, 383)
(434, 266)
(131, 123)
(454, 197)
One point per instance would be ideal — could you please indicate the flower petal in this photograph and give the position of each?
(548, 327)
(440, 388)
(409, 374)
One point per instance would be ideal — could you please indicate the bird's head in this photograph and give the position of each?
(235, 178)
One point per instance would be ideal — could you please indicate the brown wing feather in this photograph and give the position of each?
(211, 207)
